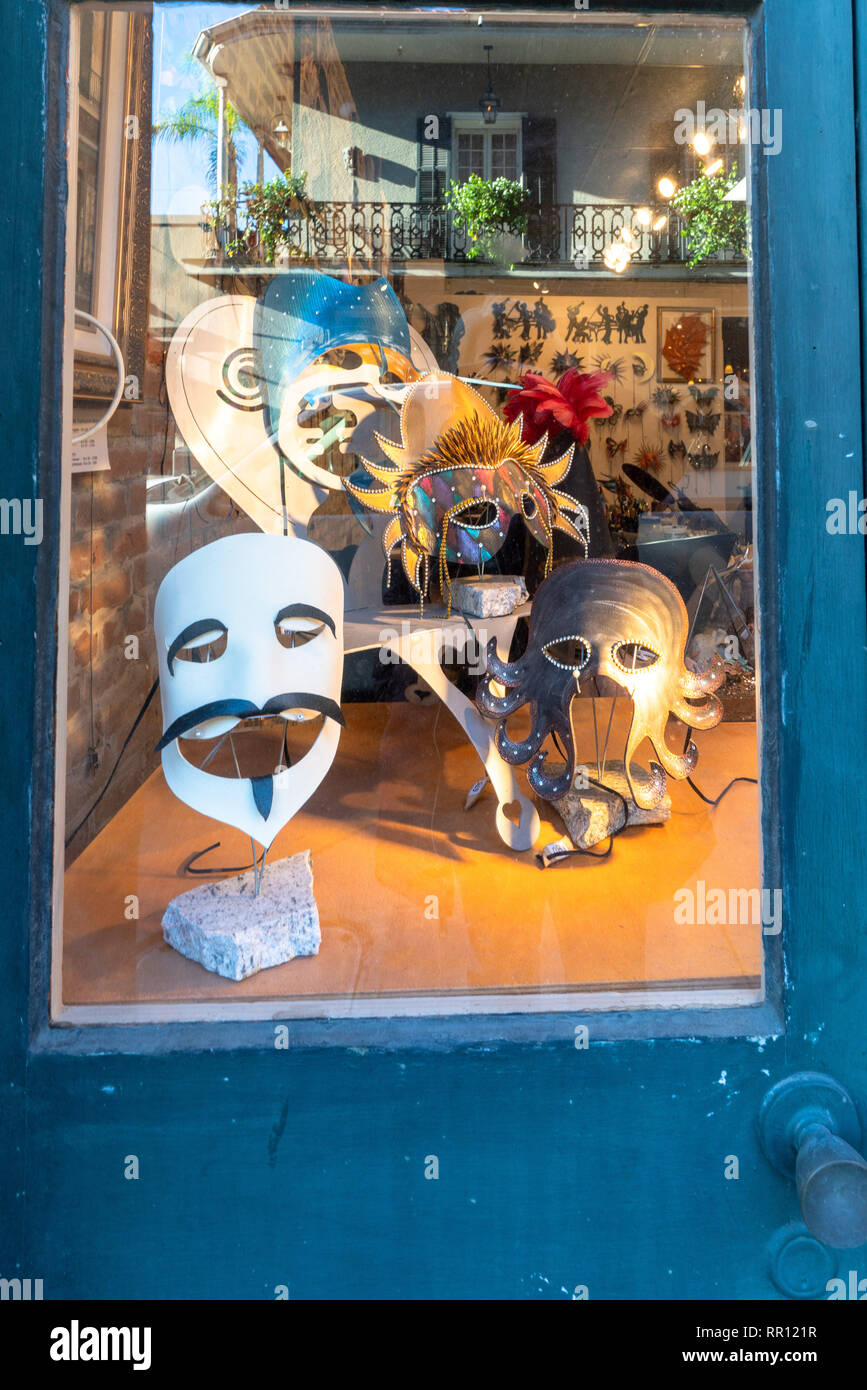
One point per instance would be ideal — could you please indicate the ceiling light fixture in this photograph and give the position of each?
(489, 104)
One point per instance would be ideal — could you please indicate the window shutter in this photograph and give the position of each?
(539, 141)
(433, 161)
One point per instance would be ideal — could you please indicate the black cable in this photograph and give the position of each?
(282, 465)
(567, 854)
(187, 868)
(698, 792)
(717, 800)
(151, 693)
(163, 399)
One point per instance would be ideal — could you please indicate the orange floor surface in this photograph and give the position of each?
(416, 895)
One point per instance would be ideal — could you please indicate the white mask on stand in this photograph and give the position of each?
(247, 626)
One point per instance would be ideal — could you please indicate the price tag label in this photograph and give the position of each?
(90, 455)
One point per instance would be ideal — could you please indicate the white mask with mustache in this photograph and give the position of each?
(250, 624)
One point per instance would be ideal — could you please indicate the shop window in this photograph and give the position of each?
(412, 608)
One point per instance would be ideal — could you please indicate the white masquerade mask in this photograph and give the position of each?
(249, 627)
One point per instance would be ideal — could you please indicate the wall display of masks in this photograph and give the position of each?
(668, 366)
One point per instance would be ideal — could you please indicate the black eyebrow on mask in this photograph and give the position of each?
(196, 629)
(304, 610)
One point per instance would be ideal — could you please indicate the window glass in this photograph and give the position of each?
(504, 156)
(410, 604)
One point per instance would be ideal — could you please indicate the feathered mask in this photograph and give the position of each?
(459, 475)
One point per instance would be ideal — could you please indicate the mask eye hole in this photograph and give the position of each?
(528, 505)
(634, 656)
(570, 653)
(297, 632)
(201, 642)
(482, 513)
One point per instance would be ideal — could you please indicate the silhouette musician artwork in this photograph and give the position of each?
(601, 324)
(520, 316)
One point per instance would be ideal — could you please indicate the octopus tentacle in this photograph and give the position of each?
(506, 672)
(696, 683)
(500, 706)
(705, 716)
(644, 795)
(679, 765)
(551, 788)
(520, 750)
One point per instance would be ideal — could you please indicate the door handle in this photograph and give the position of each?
(810, 1131)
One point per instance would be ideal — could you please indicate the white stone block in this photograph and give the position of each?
(230, 931)
(489, 595)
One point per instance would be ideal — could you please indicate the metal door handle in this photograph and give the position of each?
(810, 1128)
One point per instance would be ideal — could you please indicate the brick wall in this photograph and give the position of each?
(125, 536)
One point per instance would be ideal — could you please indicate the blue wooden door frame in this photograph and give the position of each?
(558, 1167)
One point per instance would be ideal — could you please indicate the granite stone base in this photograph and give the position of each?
(489, 595)
(592, 813)
(229, 930)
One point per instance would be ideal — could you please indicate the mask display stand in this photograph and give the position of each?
(249, 628)
(420, 642)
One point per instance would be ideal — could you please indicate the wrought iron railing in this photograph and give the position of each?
(563, 234)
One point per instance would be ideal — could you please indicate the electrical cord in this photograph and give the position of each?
(706, 799)
(588, 853)
(139, 717)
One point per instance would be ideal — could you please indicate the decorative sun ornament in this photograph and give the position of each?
(459, 476)
(650, 456)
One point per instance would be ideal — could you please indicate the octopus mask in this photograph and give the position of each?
(249, 628)
(456, 479)
(603, 618)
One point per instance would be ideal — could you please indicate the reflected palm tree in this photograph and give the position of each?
(196, 122)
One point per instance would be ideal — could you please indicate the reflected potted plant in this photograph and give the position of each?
(274, 211)
(259, 225)
(712, 224)
(487, 210)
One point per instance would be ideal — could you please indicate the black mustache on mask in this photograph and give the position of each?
(246, 709)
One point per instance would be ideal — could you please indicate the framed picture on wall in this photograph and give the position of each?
(686, 344)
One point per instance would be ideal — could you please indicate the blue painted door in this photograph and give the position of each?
(599, 1169)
